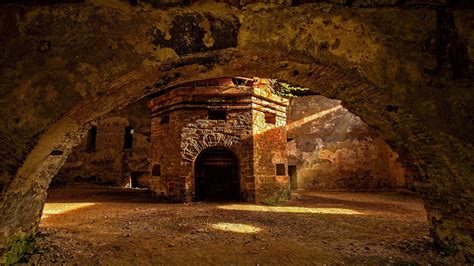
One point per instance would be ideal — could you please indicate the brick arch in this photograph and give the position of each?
(440, 176)
(191, 148)
(227, 148)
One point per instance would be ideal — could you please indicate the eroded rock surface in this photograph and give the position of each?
(331, 148)
(406, 72)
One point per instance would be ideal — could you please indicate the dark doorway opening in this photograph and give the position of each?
(293, 176)
(137, 179)
(217, 176)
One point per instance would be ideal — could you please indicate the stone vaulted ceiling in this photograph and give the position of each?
(407, 72)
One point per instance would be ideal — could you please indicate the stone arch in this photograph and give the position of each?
(443, 179)
(359, 96)
(191, 148)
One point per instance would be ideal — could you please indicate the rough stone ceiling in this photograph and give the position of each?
(65, 66)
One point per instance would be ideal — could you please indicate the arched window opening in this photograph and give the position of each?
(91, 139)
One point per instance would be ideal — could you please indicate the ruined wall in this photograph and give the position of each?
(109, 163)
(182, 128)
(269, 146)
(269, 151)
(334, 149)
(258, 144)
(177, 144)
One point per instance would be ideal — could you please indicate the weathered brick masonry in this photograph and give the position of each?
(182, 127)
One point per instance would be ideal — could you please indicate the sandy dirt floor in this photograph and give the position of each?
(85, 226)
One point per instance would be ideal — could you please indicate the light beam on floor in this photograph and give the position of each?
(288, 209)
(59, 208)
(236, 228)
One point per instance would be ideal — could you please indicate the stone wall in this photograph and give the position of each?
(177, 144)
(109, 163)
(269, 145)
(334, 149)
(270, 151)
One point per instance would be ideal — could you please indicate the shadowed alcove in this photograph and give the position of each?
(217, 175)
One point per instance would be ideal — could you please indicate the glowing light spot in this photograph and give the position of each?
(237, 228)
(288, 209)
(59, 208)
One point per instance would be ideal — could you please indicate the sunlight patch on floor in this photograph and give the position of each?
(288, 209)
(237, 228)
(59, 208)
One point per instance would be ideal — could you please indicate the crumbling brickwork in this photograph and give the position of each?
(183, 127)
(269, 140)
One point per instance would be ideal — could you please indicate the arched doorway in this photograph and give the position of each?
(217, 175)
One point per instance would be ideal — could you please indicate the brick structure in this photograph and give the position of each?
(219, 118)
